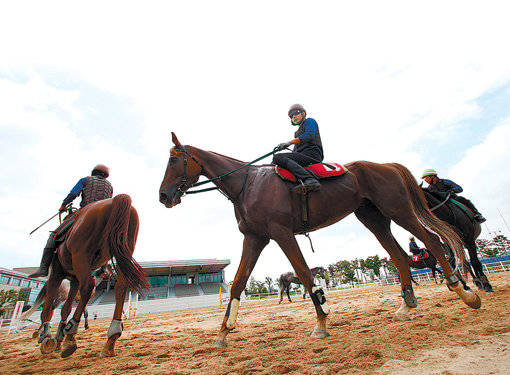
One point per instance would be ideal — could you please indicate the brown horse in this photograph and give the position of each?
(103, 230)
(288, 278)
(266, 208)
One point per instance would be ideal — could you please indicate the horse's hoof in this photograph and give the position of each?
(488, 289)
(319, 334)
(58, 346)
(104, 354)
(35, 334)
(219, 344)
(475, 302)
(48, 345)
(68, 351)
(402, 316)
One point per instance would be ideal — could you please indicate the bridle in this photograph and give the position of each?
(183, 186)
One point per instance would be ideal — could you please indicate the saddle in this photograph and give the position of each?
(62, 229)
(319, 170)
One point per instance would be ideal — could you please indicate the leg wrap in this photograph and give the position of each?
(44, 331)
(408, 296)
(319, 299)
(231, 314)
(71, 327)
(116, 327)
(452, 280)
(59, 336)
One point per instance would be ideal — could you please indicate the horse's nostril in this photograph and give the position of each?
(162, 197)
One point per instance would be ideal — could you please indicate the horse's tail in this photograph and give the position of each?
(38, 302)
(426, 217)
(116, 233)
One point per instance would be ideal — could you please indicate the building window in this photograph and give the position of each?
(15, 282)
(209, 277)
(25, 283)
(35, 285)
(178, 279)
(5, 279)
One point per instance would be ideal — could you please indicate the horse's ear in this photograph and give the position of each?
(175, 140)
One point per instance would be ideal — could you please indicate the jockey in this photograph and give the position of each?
(440, 185)
(307, 149)
(92, 188)
(413, 246)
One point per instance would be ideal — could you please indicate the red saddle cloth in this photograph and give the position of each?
(319, 170)
(418, 257)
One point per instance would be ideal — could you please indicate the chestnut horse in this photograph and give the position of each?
(468, 229)
(266, 208)
(103, 230)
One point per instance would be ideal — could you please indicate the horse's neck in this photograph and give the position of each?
(215, 165)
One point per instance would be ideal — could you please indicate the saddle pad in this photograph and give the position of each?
(464, 208)
(319, 170)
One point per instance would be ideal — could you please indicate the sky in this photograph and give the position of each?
(424, 84)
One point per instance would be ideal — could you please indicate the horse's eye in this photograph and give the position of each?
(173, 159)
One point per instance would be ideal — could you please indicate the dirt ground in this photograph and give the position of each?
(444, 337)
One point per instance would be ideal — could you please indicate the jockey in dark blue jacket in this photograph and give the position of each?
(92, 188)
(444, 186)
(307, 149)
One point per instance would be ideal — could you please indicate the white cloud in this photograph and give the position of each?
(386, 82)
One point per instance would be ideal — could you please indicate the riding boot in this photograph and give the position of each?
(478, 216)
(310, 182)
(46, 259)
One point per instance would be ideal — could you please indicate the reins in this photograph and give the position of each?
(184, 178)
(442, 203)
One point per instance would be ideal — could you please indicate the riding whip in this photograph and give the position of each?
(58, 213)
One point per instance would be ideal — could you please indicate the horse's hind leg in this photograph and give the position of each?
(64, 313)
(477, 266)
(432, 243)
(116, 327)
(47, 343)
(287, 289)
(86, 284)
(379, 225)
(252, 247)
(287, 241)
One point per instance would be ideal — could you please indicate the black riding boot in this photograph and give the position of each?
(478, 216)
(310, 182)
(46, 258)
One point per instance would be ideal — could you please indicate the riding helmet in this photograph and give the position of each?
(101, 168)
(429, 172)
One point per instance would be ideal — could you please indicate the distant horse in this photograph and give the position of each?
(103, 230)
(468, 229)
(430, 262)
(290, 277)
(267, 208)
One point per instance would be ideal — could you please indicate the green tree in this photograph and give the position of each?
(269, 283)
(347, 272)
(493, 248)
(373, 264)
(8, 299)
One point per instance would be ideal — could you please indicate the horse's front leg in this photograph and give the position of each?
(116, 326)
(287, 241)
(252, 247)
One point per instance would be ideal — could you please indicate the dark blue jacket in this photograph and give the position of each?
(309, 136)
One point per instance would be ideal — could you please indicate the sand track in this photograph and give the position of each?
(444, 337)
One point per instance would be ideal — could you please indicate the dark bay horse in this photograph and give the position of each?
(468, 230)
(103, 230)
(290, 277)
(266, 208)
(430, 262)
